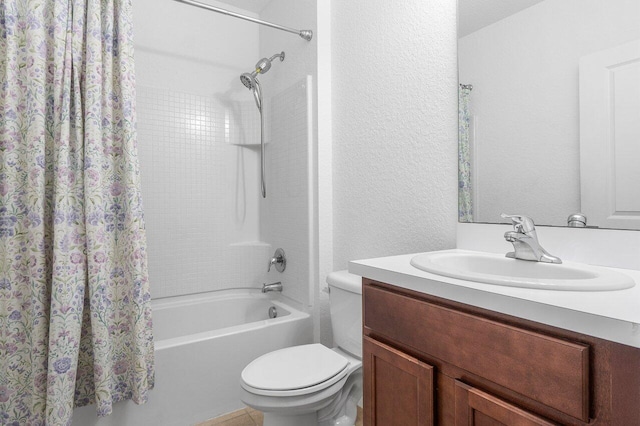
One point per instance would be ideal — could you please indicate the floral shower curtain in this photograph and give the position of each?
(465, 206)
(75, 318)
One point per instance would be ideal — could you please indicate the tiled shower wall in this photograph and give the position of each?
(196, 183)
(285, 211)
(288, 214)
(200, 162)
(208, 228)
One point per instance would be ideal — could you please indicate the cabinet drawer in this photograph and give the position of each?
(549, 370)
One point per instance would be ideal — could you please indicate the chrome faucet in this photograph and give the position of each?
(272, 287)
(279, 260)
(525, 241)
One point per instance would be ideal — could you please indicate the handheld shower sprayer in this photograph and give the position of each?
(262, 67)
(250, 80)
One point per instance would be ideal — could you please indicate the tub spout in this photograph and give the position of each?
(272, 287)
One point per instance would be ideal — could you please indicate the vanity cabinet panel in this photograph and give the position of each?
(552, 371)
(490, 368)
(476, 408)
(398, 389)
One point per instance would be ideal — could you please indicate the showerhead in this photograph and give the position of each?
(263, 65)
(249, 79)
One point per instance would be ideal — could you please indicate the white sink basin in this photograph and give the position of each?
(491, 268)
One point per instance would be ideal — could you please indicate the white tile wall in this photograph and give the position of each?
(198, 187)
(198, 130)
(284, 213)
(242, 123)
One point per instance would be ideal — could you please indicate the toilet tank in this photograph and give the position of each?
(345, 305)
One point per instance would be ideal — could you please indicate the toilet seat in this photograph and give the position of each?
(296, 370)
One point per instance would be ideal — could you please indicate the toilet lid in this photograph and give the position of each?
(296, 367)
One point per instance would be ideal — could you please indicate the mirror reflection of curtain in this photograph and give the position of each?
(465, 204)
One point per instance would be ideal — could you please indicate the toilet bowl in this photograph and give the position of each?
(313, 385)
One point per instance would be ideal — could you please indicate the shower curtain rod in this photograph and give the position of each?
(305, 34)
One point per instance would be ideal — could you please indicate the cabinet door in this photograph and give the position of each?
(477, 408)
(398, 389)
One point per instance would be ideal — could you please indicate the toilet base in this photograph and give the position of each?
(344, 409)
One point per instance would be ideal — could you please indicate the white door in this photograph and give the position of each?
(610, 137)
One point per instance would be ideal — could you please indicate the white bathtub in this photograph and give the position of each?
(202, 343)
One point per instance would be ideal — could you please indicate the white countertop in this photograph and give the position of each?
(610, 315)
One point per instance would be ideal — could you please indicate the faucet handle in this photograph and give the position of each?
(522, 224)
(279, 260)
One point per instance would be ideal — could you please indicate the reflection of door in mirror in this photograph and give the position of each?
(610, 136)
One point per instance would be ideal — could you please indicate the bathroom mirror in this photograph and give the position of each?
(549, 111)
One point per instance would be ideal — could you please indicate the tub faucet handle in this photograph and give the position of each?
(279, 260)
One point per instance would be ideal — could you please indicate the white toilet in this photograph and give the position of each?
(311, 385)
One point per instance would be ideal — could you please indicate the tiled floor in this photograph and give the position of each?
(245, 417)
(249, 417)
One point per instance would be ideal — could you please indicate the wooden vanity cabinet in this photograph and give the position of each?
(432, 361)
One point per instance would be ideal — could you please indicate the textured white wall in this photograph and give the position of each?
(394, 138)
(394, 127)
(524, 71)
